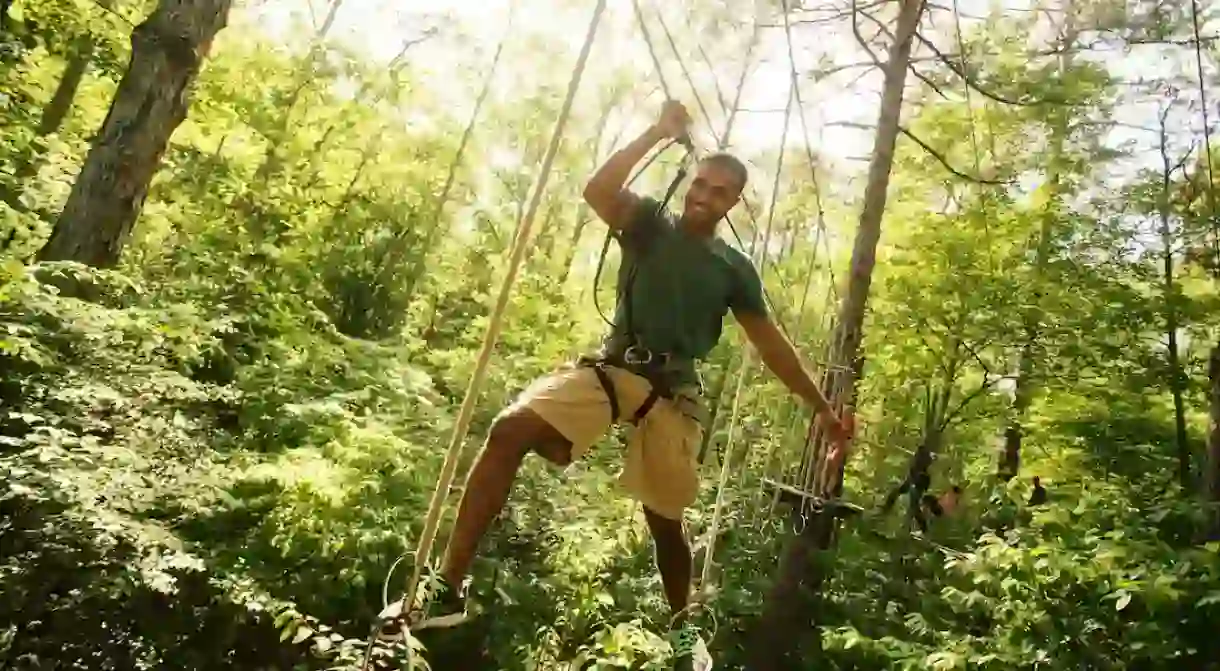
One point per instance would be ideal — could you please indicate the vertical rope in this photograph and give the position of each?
(685, 72)
(746, 364)
(809, 470)
(424, 549)
(718, 510)
(652, 52)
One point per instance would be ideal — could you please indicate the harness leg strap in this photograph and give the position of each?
(608, 386)
(649, 401)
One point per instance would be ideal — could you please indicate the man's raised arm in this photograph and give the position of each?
(606, 192)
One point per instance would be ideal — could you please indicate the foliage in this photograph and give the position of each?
(217, 455)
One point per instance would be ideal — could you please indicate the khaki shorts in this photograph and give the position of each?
(662, 454)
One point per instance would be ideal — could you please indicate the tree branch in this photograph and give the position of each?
(955, 413)
(960, 71)
(882, 28)
(855, 30)
(945, 162)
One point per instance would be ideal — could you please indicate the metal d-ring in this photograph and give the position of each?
(633, 356)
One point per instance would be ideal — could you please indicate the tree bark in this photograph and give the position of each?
(55, 111)
(790, 611)
(1213, 442)
(151, 101)
(278, 134)
(1010, 455)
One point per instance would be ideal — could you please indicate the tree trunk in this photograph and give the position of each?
(790, 611)
(582, 211)
(344, 124)
(1213, 443)
(56, 111)
(398, 246)
(151, 101)
(273, 158)
(1177, 376)
(1022, 394)
(1009, 463)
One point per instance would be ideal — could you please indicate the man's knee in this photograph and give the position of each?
(520, 430)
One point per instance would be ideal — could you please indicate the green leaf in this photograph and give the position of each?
(1123, 601)
(1211, 598)
(303, 633)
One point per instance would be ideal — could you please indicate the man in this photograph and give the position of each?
(915, 485)
(1038, 496)
(677, 282)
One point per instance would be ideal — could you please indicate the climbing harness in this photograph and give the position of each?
(656, 368)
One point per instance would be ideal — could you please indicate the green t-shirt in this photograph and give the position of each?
(683, 288)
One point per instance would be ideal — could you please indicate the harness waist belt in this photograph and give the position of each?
(654, 368)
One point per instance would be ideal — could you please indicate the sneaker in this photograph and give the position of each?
(690, 651)
(446, 608)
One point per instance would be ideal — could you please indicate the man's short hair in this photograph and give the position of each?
(731, 163)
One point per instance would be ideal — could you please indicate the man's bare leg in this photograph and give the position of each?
(673, 559)
(491, 479)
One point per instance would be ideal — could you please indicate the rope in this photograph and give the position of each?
(685, 72)
(717, 510)
(746, 364)
(424, 549)
(722, 143)
(806, 473)
(652, 52)
(741, 84)
(779, 167)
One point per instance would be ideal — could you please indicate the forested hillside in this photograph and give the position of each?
(266, 265)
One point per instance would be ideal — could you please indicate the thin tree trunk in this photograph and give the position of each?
(1009, 463)
(168, 50)
(1177, 376)
(582, 212)
(1010, 455)
(56, 111)
(273, 159)
(1213, 442)
(344, 123)
(789, 615)
(398, 246)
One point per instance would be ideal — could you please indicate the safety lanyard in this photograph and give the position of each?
(626, 284)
